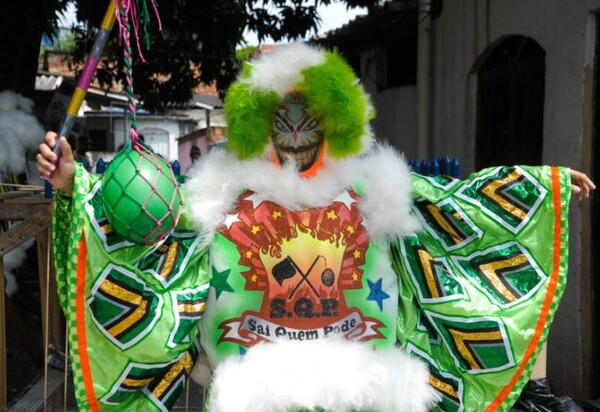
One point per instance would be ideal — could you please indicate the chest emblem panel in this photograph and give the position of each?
(302, 261)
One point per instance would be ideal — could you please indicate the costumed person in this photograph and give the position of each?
(309, 270)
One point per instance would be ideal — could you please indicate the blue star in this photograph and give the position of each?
(376, 293)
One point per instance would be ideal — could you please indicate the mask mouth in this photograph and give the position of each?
(303, 156)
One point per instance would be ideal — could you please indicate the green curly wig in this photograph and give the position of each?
(332, 92)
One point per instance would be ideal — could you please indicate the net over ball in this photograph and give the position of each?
(140, 194)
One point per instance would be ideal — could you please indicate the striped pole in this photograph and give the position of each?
(88, 72)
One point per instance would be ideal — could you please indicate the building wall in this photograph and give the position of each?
(173, 128)
(460, 35)
(199, 138)
(395, 110)
(202, 117)
(465, 29)
(185, 145)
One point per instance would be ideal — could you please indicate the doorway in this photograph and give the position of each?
(510, 103)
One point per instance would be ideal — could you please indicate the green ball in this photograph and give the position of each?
(140, 195)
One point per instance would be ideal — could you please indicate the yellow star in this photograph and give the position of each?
(356, 254)
(249, 254)
(350, 230)
(255, 229)
(276, 214)
(254, 277)
(331, 215)
(355, 276)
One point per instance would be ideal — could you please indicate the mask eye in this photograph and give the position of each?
(280, 126)
(312, 124)
(280, 122)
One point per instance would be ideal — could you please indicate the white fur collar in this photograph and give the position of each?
(331, 374)
(381, 177)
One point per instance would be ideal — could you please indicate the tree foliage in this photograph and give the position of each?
(22, 24)
(197, 43)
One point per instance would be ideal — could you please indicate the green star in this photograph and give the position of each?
(219, 281)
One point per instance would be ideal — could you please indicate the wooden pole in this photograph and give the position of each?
(48, 292)
(3, 393)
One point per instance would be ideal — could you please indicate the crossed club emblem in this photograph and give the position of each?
(287, 269)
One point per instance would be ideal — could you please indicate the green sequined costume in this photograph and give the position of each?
(472, 294)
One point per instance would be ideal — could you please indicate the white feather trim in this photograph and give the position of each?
(382, 176)
(280, 69)
(202, 372)
(332, 374)
(388, 196)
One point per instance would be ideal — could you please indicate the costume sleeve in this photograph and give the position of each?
(481, 282)
(131, 311)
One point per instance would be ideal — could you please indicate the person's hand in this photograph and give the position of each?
(60, 174)
(581, 185)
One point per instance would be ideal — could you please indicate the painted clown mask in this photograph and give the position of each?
(295, 133)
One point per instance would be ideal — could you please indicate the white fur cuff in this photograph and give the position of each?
(330, 374)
